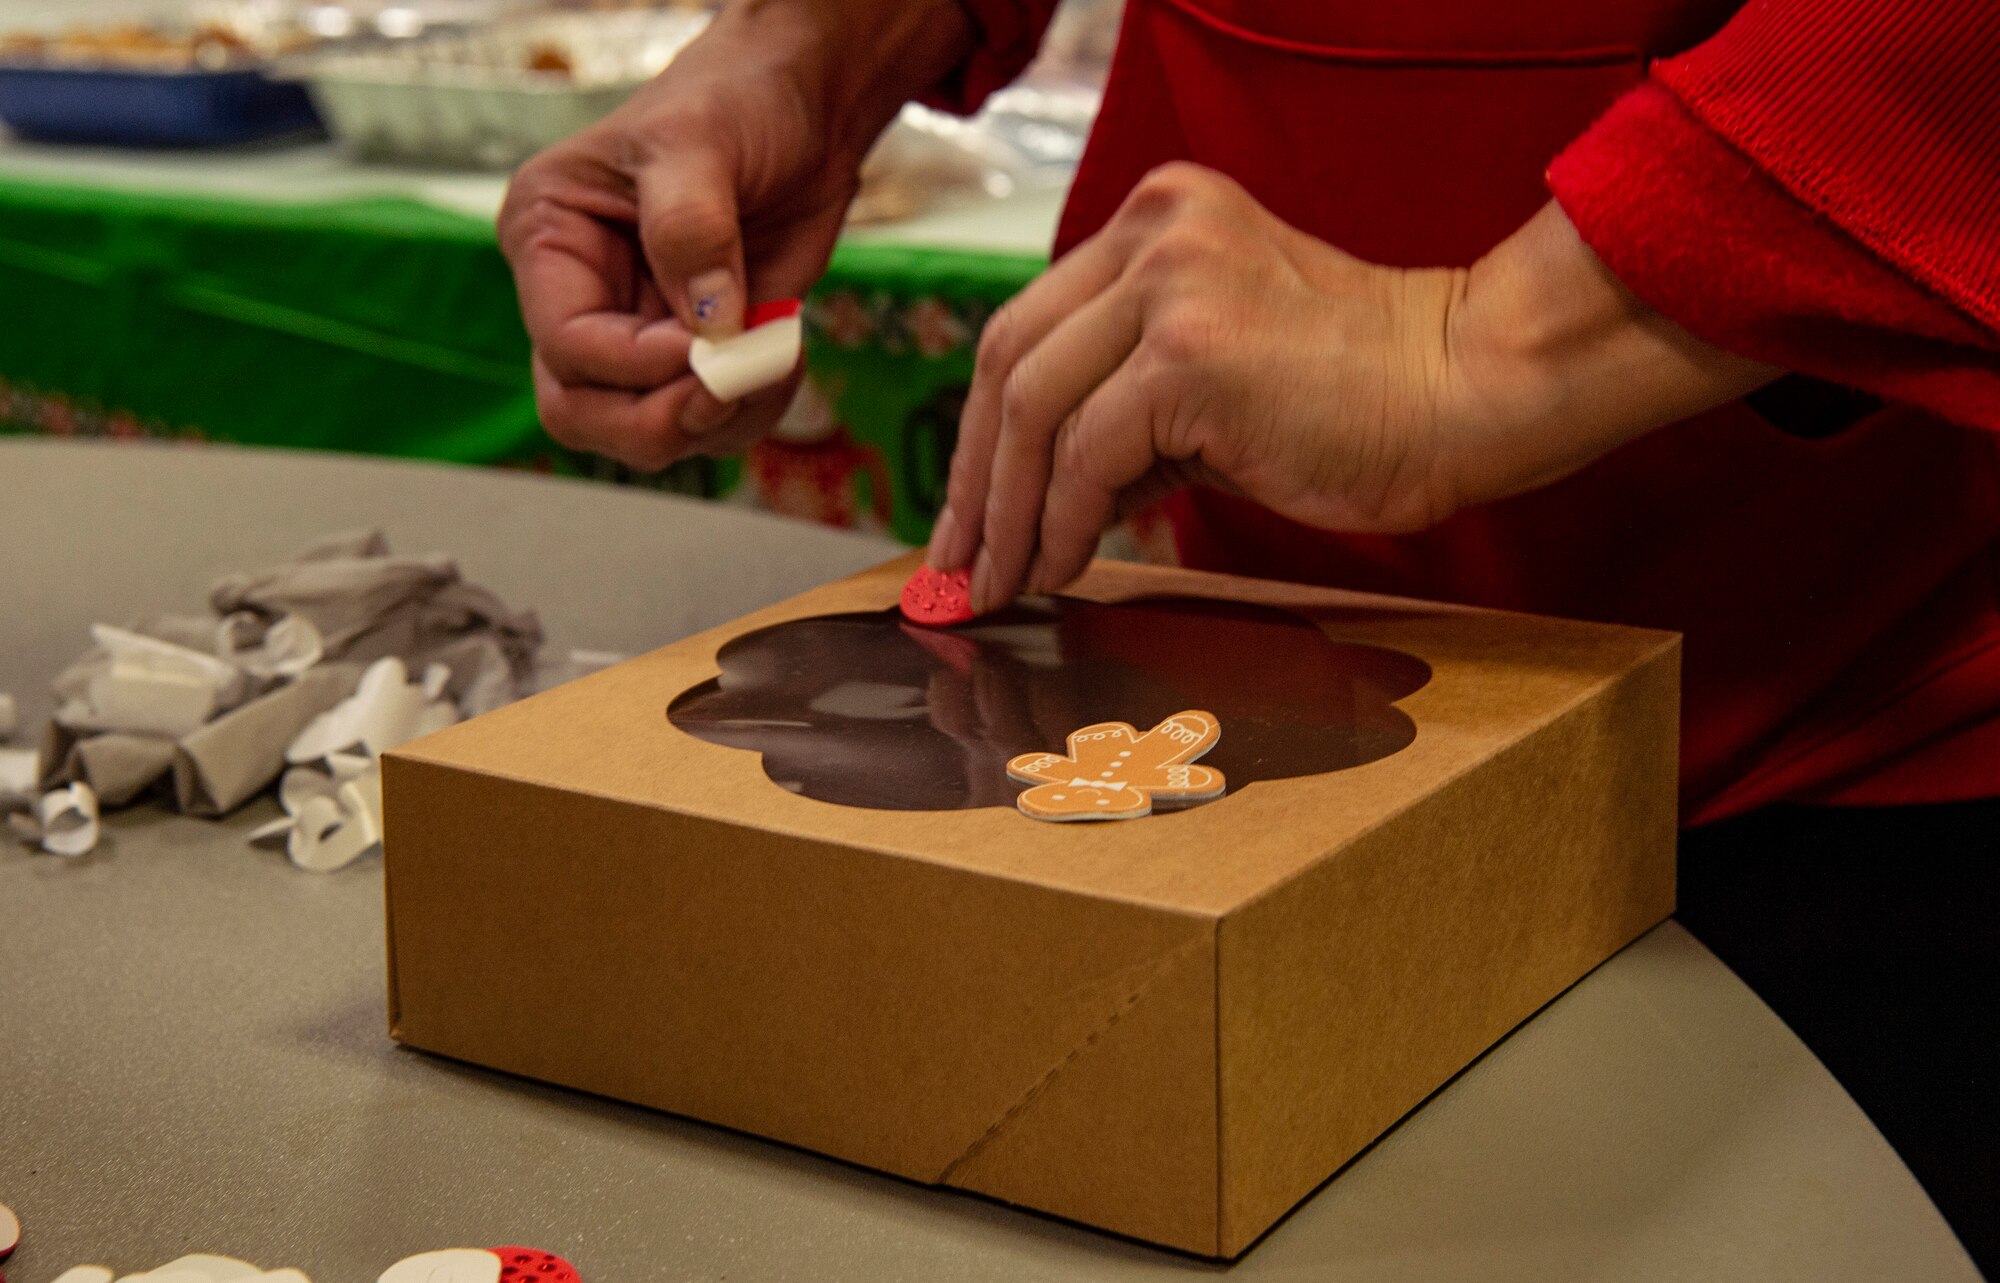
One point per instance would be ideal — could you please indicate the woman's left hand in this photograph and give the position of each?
(1197, 338)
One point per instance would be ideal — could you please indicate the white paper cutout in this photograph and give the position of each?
(151, 686)
(284, 649)
(10, 715)
(64, 823)
(20, 773)
(331, 820)
(754, 359)
(385, 710)
(333, 812)
(133, 699)
(124, 645)
(453, 1265)
(85, 1274)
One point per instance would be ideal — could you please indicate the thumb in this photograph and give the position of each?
(689, 228)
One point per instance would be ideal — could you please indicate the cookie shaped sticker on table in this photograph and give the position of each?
(482, 1265)
(1113, 772)
(764, 354)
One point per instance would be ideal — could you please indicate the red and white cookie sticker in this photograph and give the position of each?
(483, 1265)
(532, 1265)
(1114, 772)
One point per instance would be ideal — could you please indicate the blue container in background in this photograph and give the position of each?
(122, 108)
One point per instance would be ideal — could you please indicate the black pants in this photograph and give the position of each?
(1872, 933)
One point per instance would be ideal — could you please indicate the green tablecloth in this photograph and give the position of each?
(387, 325)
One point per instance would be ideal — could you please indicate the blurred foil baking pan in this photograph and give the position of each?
(491, 98)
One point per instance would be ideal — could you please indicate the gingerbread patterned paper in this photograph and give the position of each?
(1113, 772)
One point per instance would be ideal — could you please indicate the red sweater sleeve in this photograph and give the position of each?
(1817, 187)
(1010, 33)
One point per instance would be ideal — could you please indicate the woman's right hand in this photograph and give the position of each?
(721, 183)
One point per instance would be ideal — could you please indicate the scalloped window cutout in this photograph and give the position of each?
(869, 710)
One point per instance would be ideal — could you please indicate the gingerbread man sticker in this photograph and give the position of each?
(1114, 772)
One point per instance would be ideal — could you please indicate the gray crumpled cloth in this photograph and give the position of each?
(365, 602)
(368, 604)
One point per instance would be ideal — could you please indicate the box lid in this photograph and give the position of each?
(1494, 679)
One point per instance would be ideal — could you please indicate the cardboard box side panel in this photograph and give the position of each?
(878, 1009)
(1351, 993)
(1142, 1086)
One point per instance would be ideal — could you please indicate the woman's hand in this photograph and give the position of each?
(1199, 339)
(723, 182)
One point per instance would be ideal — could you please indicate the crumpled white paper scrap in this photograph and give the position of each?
(20, 774)
(333, 817)
(386, 710)
(150, 686)
(269, 650)
(64, 822)
(333, 813)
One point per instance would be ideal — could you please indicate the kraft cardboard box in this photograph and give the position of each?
(773, 877)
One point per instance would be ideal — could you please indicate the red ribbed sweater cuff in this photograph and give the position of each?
(1715, 243)
(1882, 115)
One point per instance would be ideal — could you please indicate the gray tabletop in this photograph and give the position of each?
(193, 1053)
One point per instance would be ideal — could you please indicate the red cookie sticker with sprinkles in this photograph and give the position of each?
(938, 599)
(532, 1265)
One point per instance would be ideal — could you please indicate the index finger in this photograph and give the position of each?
(1013, 332)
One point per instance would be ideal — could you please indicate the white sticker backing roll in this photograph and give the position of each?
(765, 353)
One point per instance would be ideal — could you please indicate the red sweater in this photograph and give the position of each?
(1813, 183)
